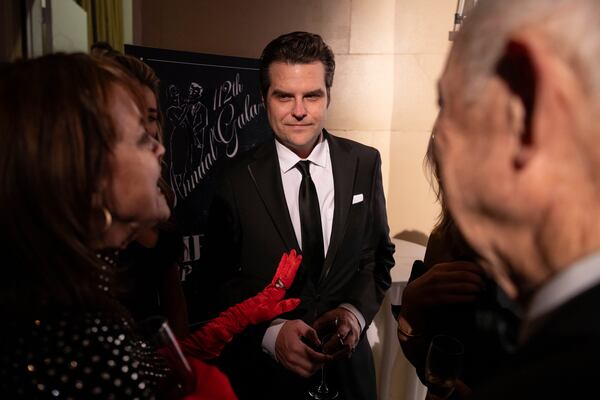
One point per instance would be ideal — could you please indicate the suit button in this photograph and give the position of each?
(318, 297)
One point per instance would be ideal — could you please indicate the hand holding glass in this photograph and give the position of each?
(322, 391)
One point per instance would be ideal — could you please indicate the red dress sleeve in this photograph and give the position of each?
(211, 383)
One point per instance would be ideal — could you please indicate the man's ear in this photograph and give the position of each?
(545, 90)
(518, 70)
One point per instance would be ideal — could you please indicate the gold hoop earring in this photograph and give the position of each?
(107, 219)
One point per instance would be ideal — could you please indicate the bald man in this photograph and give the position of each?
(518, 141)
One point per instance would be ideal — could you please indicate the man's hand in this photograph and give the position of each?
(294, 354)
(342, 331)
(443, 284)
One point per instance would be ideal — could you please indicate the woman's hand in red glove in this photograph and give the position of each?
(208, 341)
(269, 303)
(286, 270)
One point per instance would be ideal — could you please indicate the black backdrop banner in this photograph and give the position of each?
(212, 111)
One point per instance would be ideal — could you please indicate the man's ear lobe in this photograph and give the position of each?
(517, 69)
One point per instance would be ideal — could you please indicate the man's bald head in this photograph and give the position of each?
(518, 136)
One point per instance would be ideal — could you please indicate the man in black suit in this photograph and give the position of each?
(317, 193)
(518, 141)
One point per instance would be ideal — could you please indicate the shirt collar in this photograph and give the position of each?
(569, 283)
(319, 156)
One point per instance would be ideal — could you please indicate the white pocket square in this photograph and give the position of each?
(357, 198)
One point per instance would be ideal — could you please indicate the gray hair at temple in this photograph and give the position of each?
(572, 28)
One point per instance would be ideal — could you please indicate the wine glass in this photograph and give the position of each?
(181, 379)
(321, 391)
(443, 366)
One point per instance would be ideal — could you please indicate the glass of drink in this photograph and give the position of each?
(322, 391)
(443, 366)
(180, 379)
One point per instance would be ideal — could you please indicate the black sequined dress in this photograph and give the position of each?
(70, 353)
(77, 356)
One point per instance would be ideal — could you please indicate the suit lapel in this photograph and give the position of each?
(265, 173)
(344, 165)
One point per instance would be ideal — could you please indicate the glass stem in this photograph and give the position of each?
(323, 387)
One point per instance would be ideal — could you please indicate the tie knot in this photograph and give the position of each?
(304, 167)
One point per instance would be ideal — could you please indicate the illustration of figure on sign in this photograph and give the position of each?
(198, 115)
(188, 118)
(200, 137)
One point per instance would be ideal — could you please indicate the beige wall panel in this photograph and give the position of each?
(372, 27)
(335, 24)
(362, 93)
(69, 27)
(415, 91)
(127, 21)
(422, 26)
(411, 201)
(241, 28)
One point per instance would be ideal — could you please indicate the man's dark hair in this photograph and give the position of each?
(296, 48)
(102, 48)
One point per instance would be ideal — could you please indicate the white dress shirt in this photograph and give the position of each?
(322, 176)
(578, 278)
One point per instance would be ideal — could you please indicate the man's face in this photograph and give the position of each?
(297, 104)
(473, 147)
(195, 91)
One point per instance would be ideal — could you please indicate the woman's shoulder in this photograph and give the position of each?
(438, 249)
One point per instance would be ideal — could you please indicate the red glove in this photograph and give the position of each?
(208, 342)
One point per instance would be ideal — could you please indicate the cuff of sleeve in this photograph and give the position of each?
(268, 342)
(357, 314)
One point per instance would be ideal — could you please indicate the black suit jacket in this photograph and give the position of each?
(559, 361)
(250, 228)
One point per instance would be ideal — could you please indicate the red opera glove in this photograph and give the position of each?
(208, 342)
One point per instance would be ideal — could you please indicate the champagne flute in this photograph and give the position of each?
(443, 366)
(321, 391)
(181, 379)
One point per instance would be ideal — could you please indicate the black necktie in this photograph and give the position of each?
(310, 222)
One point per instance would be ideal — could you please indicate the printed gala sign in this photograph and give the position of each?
(212, 111)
